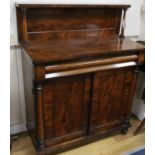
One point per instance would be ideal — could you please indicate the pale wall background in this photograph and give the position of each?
(134, 27)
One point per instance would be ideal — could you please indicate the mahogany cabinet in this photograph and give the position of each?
(79, 72)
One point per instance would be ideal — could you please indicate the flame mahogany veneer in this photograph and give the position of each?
(80, 73)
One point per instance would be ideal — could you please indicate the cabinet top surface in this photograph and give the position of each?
(75, 49)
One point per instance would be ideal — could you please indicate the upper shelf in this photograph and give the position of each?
(48, 5)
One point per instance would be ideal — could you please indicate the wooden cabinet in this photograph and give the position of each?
(80, 105)
(79, 75)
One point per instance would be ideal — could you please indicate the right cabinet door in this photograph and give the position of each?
(112, 96)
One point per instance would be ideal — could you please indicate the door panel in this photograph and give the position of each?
(112, 98)
(66, 107)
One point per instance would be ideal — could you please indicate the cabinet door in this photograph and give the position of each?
(112, 99)
(66, 108)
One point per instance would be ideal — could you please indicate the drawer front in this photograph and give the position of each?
(88, 66)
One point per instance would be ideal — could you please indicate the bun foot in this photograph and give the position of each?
(124, 131)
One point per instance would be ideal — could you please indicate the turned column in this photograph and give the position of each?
(39, 113)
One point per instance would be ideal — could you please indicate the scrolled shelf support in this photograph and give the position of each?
(123, 24)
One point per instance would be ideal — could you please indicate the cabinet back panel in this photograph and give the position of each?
(72, 19)
(65, 23)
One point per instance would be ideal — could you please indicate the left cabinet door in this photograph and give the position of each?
(65, 105)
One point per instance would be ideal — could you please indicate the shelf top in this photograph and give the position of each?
(48, 5)
(75, 49)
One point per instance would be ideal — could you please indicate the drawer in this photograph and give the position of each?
(87, 66)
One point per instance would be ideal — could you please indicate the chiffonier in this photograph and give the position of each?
(79, 72)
